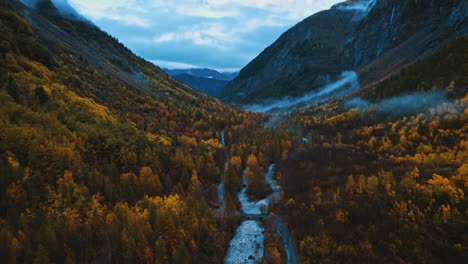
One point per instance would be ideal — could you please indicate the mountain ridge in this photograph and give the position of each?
(203, 72)
(90, 131)
(83, 39)
(210, 86)
(333, 41)
(105, 158)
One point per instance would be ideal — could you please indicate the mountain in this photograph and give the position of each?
(94, 48)
(62, 6)
(374, 38)
(104, 152)
(205, 73)
(208, 81)
(210, 86)
(105, 158)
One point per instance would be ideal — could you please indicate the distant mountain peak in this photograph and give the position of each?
(203, 72)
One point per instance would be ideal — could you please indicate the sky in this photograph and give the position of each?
(219, 34)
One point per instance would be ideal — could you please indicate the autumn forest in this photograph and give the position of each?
(99, 165)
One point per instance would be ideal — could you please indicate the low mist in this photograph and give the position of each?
(404, 104)
(30, 3)
(347, 83)
(362, 8)
(361, 5)
(64, 8)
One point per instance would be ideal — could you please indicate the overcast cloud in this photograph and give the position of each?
(219, 34)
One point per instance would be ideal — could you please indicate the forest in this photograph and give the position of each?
(87, 178)
(369, 188)
(387, 181)
(97, 166)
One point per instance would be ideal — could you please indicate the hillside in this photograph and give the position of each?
(376, 41)
(447, 66)
(384, 183)
(106, 158)
(102, 154)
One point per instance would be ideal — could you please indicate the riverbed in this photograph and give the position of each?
(247, 245)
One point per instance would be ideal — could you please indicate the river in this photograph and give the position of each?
(247, 244)
(226, 165)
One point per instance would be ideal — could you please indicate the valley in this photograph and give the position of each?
(247, 244)
(345, 141)
(207, 81)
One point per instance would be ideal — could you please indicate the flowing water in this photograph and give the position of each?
(283, 232)
(247, 244)
(259, 207)
(226, 164)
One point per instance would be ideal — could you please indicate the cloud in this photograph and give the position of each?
(195, 37)
(134, 20)
(210, 9)
(205, 34)
(347, 83)
(218, 33)
(405, 104)
(165, 38)
(62, 6)
(125, 12)
(362, 5)
(291, 9)
(135, 11)
(205, 11)
(174, 65)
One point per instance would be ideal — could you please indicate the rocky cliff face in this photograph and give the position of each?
(374, 37)
(397, 33)
(300, 59)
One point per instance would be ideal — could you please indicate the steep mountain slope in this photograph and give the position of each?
(93, 47)
(211, 86)
(398, 33)
(447, 67)
(103, 156)
(62, 6)
(369, 162)
(301, 57)
(375, 38)
(106, 159)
